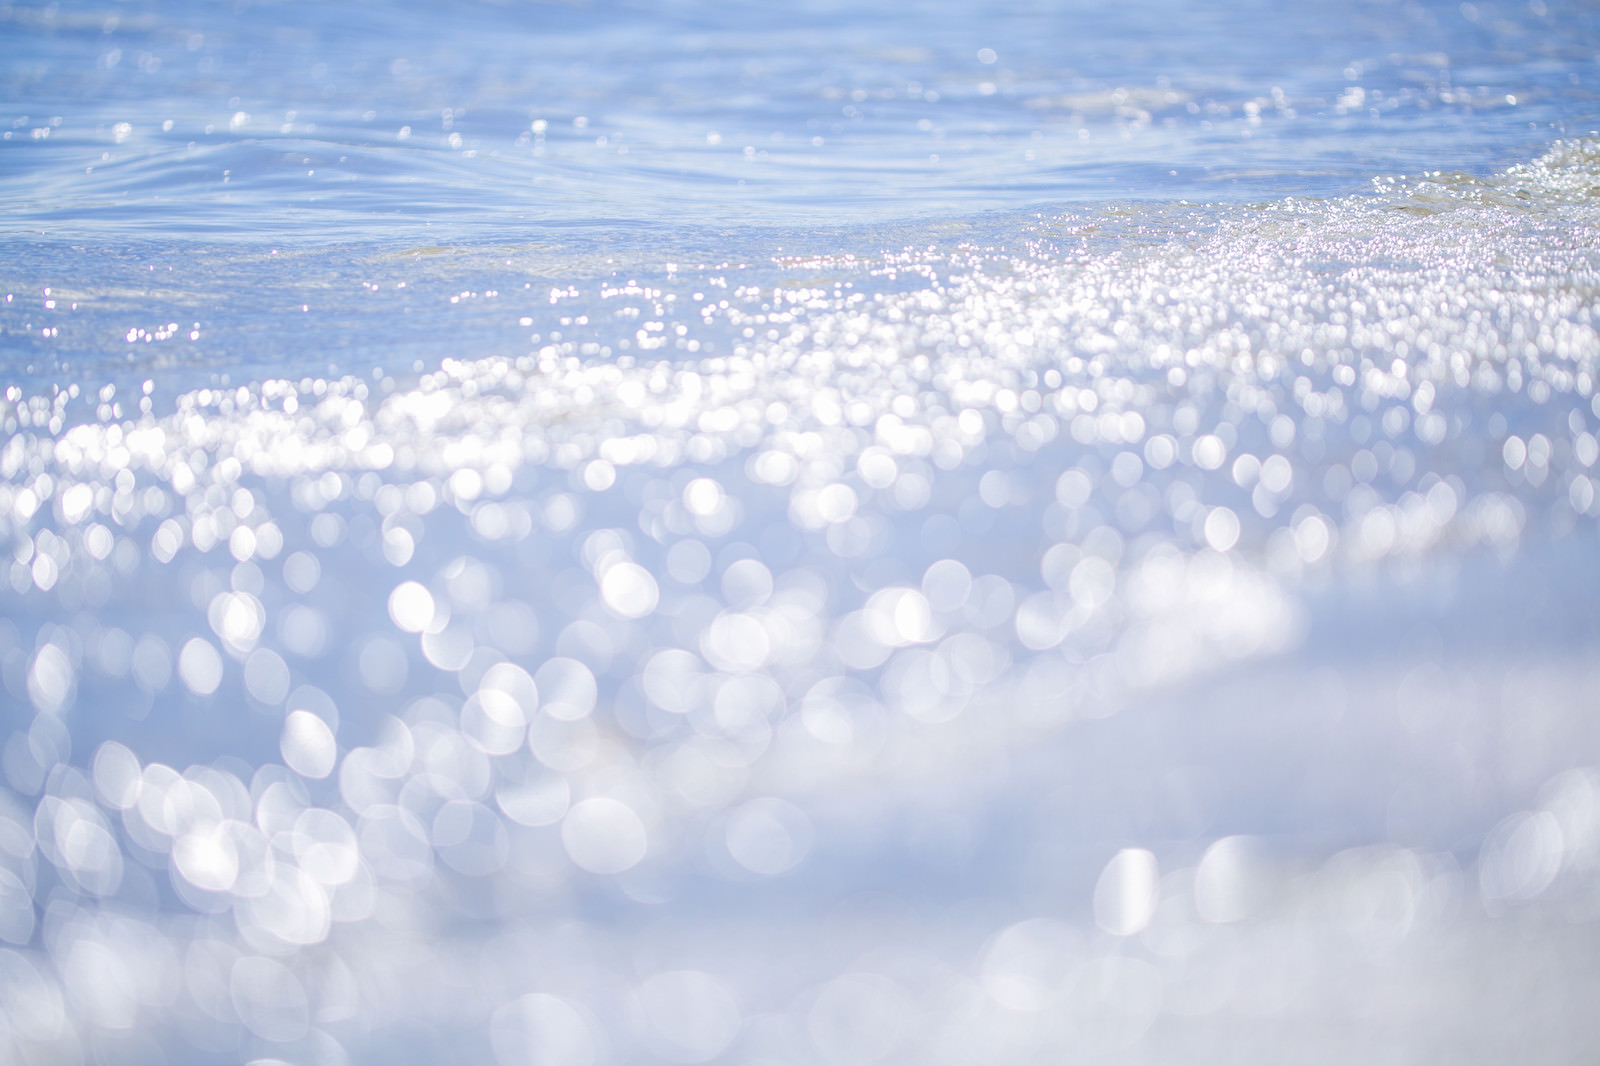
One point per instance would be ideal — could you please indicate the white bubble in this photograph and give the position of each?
(308, 745)
(411, 607)
(686, 1015)
(603, 835)
(629, 590)
(200, 667)
(768, 836)
(1126, 895)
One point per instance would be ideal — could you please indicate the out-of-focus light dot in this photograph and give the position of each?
(603, 836)
(325, 846)
(685, 1015)
(1221, 529)
(541, 801)
(1160, 451)
(466, 484)
(266, 676)
(836, 503)
(200, 667)
(1126, 895)
(76, 503)
(703, 497)
(308, 745)
(768, 836)
(1030, 966)
(116, 773)
(1126, 469)
(1073, 488)
(746, 583)
(599, 475)
(470, 838)
(1276, 474)
(301, 572)
(1209, 452)
(671, 680)
(1092, 582)
(242, 543)
(1230, 883)
(877, 468)
(735, 642)
(50, 679)
(1312, 538)
(269, 999)
(947, 584)
(629, 590)
(566, 688)
(411, 607)
(16, 910)
(1521, 857)
(541, 1030)
(293, 909)
(207, 858)
(899, 616)
(1246, 469)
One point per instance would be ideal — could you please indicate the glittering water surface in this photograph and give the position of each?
(579, 535)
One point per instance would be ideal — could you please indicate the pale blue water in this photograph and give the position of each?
(576, 533)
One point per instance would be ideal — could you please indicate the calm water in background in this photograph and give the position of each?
(623, 533)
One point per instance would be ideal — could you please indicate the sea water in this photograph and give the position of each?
(935, 532)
